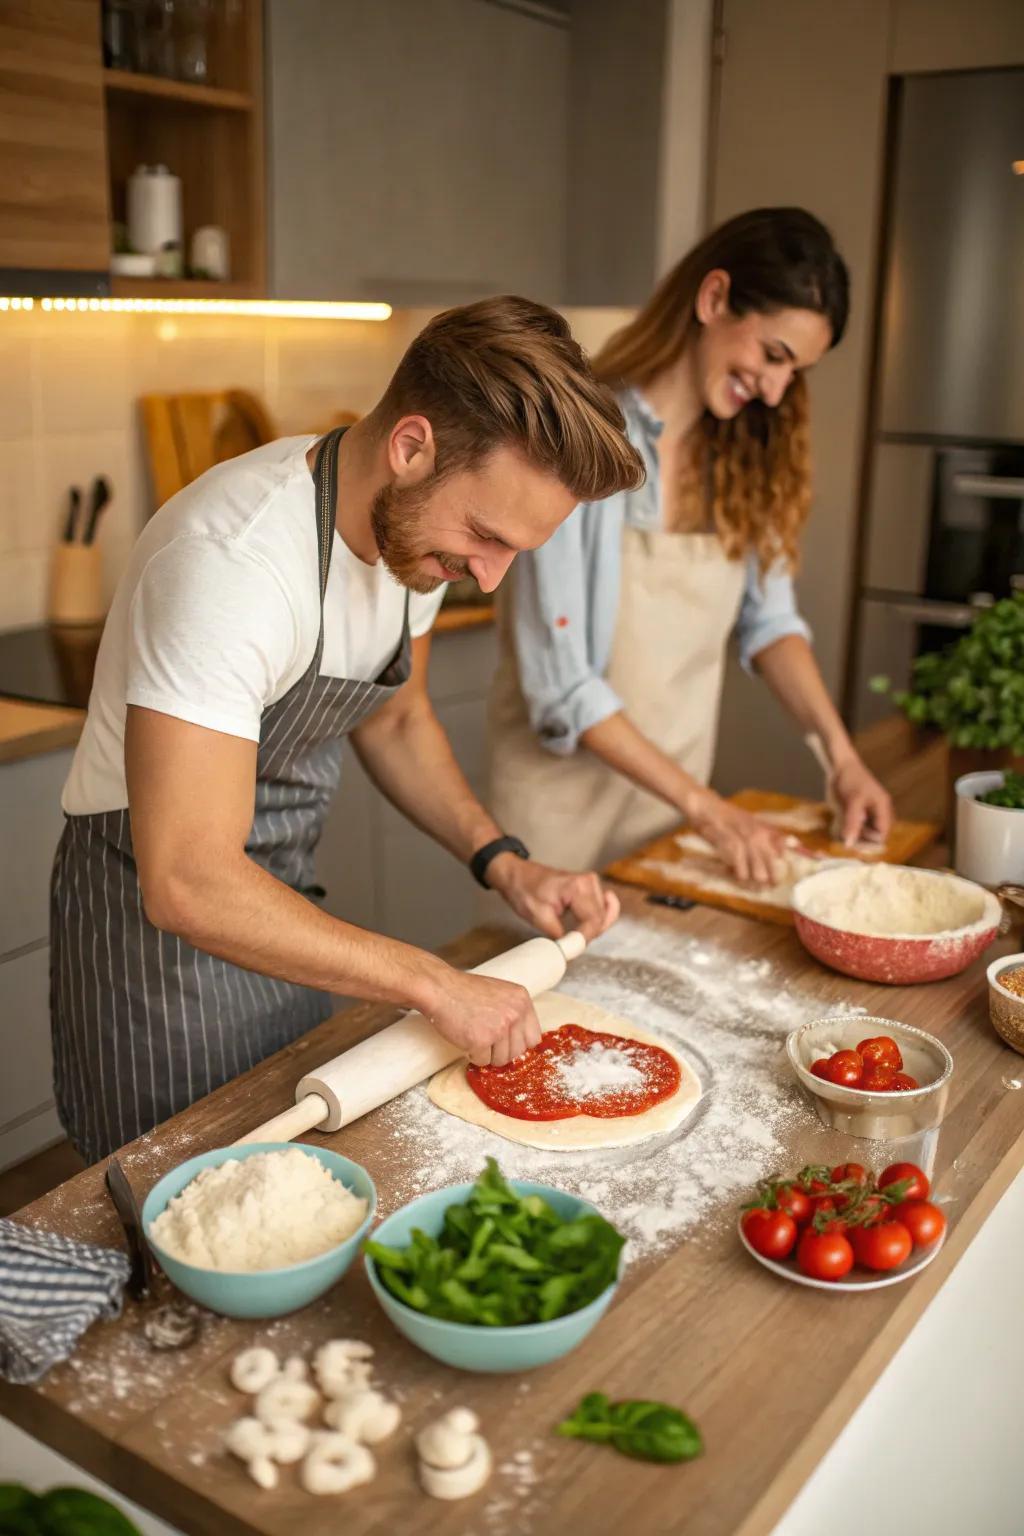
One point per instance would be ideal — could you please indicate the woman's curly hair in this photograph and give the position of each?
(754, 469)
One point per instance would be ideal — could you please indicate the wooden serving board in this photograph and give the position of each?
(906, 839)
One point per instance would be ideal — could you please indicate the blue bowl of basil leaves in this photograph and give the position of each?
(500, 1275)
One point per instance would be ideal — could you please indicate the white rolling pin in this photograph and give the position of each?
(403, 1054)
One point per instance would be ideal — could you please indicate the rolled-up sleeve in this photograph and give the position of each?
(561, 678)
(768, 612)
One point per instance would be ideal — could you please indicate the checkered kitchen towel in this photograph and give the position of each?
(51, 1290)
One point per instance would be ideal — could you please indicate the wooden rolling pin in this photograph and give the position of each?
(403, 1054)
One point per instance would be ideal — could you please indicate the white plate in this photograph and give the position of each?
(858, 1279)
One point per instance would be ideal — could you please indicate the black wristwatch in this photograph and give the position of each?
(481, 859)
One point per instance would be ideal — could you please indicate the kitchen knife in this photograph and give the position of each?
(74, 503)
(99, 497)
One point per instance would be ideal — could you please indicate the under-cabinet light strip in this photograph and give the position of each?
(286, 309)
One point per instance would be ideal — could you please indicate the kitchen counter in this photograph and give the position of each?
(41, 685)
(26, 730)
(761, 1365)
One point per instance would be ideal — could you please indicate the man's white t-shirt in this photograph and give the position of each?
(218, 613)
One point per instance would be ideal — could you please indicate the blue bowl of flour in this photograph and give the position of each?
(261, 1292)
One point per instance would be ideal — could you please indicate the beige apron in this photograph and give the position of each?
(679, 601)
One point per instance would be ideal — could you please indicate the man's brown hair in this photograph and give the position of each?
(507, 372)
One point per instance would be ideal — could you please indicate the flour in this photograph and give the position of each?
(705, 871)
(893, 901)
(259, 1212)
(728, 1015)
(597, 1069)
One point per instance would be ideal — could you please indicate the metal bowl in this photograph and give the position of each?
(877, 1116)
(898, 959)
(1005, 1008)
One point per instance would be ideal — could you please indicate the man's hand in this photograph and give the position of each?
(545, 897)
(492, 1021)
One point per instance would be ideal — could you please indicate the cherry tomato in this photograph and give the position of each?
(924, 1221)
(850, 1173)
(904, 1083)
(870, 1210)
(918, 1187)
(824, 1255)
(772, 1234)
(795, 1202)
(877, 1079)
(810, 1179)
(883, 1051)
(886, 1246)
(828, 1206)
(845, 1068)
(820, 1068)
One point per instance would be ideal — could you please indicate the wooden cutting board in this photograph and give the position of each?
(906, 839)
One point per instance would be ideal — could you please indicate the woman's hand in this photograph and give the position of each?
(866, 807)
(754, 852)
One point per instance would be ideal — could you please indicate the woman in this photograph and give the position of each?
(605, 707)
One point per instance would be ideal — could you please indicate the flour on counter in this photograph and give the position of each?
(727, 1015)
(259, 1212)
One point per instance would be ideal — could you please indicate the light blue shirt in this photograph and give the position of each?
(567, 600)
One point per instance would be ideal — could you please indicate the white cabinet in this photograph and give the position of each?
(417, 152)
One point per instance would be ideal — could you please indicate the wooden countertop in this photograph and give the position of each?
(463, 616)
(26, 730)
(761, 1365)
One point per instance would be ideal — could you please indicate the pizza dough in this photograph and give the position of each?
(449, 1090)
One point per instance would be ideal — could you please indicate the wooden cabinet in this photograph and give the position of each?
(416, 158)
(54, 213)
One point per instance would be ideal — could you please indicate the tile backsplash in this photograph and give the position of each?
(69, 391)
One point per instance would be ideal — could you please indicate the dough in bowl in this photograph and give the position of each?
(892, 901)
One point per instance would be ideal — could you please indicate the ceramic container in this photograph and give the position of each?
(1005, 1008)
(899, 959)
(989, 838)
(261, 1292)
(469, 1347)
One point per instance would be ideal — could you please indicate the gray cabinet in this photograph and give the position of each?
(417, 152)
(30, 823)
(379, 870)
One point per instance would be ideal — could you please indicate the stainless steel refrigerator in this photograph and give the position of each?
(945, 499)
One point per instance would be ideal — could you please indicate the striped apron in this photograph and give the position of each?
(143, 1024)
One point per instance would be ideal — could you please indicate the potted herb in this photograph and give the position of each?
(973, 691)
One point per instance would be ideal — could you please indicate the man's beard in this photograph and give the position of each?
(396, 518)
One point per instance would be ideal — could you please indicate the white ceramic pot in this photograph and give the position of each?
(989, 838)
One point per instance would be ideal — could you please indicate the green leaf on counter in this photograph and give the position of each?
(501, 1259)
(645, 1430)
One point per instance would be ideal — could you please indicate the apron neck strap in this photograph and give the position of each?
(325, 482)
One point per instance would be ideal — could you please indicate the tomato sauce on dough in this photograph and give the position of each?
(576, 1071)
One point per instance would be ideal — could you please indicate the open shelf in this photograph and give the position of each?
(124, 83)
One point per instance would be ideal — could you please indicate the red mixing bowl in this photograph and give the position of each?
(899, 959)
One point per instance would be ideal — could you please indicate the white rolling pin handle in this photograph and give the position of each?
(404, 1054)
(304, 1115)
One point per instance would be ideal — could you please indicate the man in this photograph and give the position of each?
(277, 605)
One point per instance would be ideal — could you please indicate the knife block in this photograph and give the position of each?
(76, 585)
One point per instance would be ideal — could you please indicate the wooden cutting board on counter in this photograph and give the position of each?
(811, 822)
